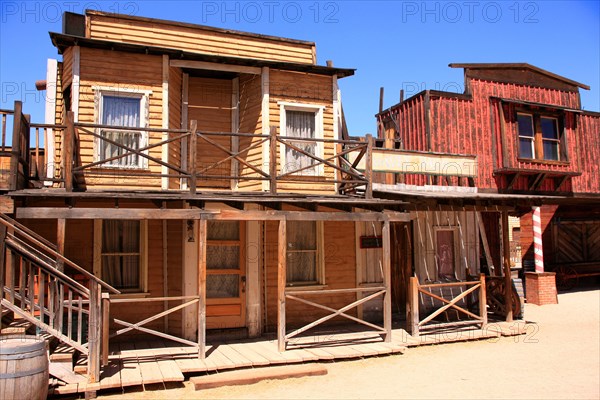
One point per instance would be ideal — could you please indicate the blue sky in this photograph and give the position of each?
(395, 44)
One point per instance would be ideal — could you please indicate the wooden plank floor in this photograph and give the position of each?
(151, 362)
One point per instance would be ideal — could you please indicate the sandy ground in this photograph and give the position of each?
(559, 358)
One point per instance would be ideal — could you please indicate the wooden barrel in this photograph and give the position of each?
(23, 368)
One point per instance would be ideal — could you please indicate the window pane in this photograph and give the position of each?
(120, 236)
(525, 148)
(120, 111)
(222, 257)
(302, 235)
(121, 253)
(551, 150)
(122, 272)
(223, 230)
(525, 125)
(301, 266)
(300, 124)
(549, 128)
(222, 286)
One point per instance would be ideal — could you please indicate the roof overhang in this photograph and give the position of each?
(62, 41)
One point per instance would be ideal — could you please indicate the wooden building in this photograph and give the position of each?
(201, 181)
(531, 139)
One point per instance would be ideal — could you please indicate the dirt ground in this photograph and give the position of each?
(559, 358)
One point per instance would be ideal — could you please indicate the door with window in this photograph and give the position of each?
(225, 275)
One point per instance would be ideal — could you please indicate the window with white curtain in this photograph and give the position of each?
(120, 259)
(302, 122)
(304, 253)
(122, 109)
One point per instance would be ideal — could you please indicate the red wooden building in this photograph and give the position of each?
(531, 140)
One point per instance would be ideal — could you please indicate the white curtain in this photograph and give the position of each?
(121, 253)
(300, 124)
(120, 111)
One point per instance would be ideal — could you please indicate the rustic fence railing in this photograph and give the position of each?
(34, 286)
(415, 289)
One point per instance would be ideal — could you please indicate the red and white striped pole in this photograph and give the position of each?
(538, 249)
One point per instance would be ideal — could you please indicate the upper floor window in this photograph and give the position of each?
(304, 122)
(539, 137)
(123, 109)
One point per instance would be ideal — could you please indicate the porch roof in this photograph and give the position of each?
(433, 196)
(62, 41)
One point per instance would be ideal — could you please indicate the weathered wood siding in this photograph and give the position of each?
(121, 71)
(59, 119)
(588, 143)
(199, 39)
(301, 88)
(210, 105)
(174, 104)
(250, 121)
(340, 273)
(466, 249)
(483, 125)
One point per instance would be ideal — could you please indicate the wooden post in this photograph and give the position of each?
(387, 282)
(202, 289)
(413, 294)
(3, 259)
(273, 160)
(105, 327)
(60, 241)
(506, 262)
(16, 146)
(67, 157)
(369, 167)
(192, 156)
(281, 283)
(482, 301)
(94, 332)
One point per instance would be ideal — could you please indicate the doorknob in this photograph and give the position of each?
(243, 284)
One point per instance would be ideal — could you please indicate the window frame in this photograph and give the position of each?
(319, 259)
(538, 140)
(97, 264)
(319, 134)
(144, 96)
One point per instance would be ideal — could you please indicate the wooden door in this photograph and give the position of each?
(401, 264)
(225, 275)
(210, 104)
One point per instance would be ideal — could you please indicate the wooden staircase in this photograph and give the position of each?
(38, 296)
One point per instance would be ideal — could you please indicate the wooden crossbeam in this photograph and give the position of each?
(350, 317)
(447, 306)
(470, 314)
(231, 155)
(131, 327)
(130, 150)
(334, 314)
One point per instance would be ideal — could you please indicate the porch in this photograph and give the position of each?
(160, 362)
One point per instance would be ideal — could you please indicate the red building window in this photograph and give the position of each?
(539, 137)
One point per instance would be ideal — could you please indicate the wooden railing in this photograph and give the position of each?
(35, 286)
(187, 171)
(416, 324)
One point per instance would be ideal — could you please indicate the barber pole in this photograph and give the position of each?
(537, 240)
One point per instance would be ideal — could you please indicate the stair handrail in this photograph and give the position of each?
(12, 224)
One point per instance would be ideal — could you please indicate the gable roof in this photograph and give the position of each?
(489, 67)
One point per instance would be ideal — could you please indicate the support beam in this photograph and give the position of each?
(281, 283)
(506, 263)
(413, 308)
(61, 225)
(387, 282)
(202, 289)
